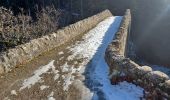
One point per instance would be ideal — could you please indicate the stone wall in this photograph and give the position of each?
(26, 52)
(140, 75)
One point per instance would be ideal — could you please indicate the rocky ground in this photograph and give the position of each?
(74, 71)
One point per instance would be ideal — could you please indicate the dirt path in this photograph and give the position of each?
(70, 72)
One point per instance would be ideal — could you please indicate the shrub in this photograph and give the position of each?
(15, 30)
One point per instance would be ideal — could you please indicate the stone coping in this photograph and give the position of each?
(26, 52)
(120, 65)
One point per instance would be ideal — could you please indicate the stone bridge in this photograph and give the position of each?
(70, 64)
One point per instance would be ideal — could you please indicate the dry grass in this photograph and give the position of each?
(15, 30)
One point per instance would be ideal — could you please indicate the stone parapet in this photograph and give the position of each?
(119, 65)
(26, 52)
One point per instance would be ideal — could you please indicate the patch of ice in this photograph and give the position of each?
(37, 75)
(42, 87)
(13, 92)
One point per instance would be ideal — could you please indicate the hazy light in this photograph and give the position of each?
(156, 20)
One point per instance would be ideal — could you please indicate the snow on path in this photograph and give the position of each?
(93, 48)
(98, 74)
(36, 77)
(87, 48)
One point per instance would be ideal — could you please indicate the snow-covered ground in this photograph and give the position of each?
(91, 50)
(36, 77)
(97, 70)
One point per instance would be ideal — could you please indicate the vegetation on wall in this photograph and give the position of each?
(21, 28)
(24, 20)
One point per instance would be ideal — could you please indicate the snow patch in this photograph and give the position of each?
(42, 87)
(37, 75)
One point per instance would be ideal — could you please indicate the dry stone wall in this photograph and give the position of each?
(26, 52)
(141, 75)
